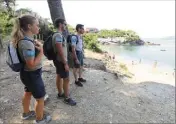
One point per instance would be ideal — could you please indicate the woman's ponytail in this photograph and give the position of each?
(17, 33)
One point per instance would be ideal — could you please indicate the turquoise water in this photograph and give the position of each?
(147, 54)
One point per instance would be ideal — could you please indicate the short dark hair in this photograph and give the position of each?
(58, 21)
(78, 26)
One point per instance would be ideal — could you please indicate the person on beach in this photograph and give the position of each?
(140, 61)
(155, 64)
(132, 62)
(30, 52)
(173, 73)
(113, 57)
(77, 53)
(61, 63)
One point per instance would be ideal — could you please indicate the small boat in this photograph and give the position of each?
(162, 50)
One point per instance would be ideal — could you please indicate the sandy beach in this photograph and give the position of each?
(146, 72)
(141, 72)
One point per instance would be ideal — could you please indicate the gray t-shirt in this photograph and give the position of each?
(27, 51)
(59, 38)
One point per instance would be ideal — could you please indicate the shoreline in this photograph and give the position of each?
(148, 72)
(139, 72)
(162, 65)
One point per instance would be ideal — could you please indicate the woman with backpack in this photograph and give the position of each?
(30, 52)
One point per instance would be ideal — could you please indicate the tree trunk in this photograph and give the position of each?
(1, 45)
(56, 11)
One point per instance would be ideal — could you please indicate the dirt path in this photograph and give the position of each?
(103, 99)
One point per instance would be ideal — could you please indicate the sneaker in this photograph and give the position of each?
(78, 83)
(60, 96)
(28, 115)
(81, 80)
(70, 101)
(46, 98)
(45, 120)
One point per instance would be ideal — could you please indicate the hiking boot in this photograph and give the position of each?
(78, 83)
(60, 96)
(70, 101)
(28, 115)
(81, 80)
(45, 120)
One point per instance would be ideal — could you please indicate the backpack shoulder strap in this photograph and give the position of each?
(53, 33)
(77, 39)
(18, 54)
(25, 38)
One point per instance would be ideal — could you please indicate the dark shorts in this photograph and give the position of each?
(80, 59)
(60, 69)
(33, 83)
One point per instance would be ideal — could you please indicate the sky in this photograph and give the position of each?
(150, 19)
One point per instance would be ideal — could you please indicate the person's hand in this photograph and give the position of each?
(66, 67)
(77, 61)
(38, 45)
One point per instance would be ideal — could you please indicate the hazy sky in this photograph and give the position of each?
(147, 18)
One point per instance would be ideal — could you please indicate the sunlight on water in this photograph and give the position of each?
(148, 54)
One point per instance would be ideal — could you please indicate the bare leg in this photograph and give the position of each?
(39, 106)
(68, 99)
(59, 84)
(80, 71)
(75, 70)
(66, 87)
(80, 75)
(26, 101)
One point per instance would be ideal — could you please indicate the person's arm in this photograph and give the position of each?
(82, 43)
(73, 42)
(29, 54)
(83, 46)
(59, 40)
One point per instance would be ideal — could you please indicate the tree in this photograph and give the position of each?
(9, 4)
(6, 16)
(44, 23)
(90, 42)
(1, 46)
(22, 11)
(71, 29)
(56, 11)
(5, 24)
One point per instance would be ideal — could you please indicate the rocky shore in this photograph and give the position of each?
(122, 42)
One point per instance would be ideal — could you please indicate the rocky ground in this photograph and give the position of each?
(104, 98)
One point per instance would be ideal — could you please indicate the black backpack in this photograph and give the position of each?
(48, 49)
(69, 41)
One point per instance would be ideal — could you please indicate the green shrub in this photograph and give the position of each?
(91, 43)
